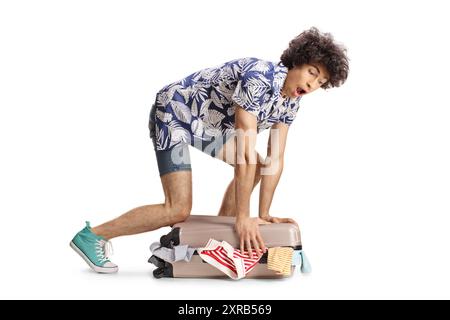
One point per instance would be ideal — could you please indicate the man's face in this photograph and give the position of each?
(304, 79)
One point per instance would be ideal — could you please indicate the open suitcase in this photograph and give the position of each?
(197, 230)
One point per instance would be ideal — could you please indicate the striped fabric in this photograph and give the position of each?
(280, 260)
(227, 259)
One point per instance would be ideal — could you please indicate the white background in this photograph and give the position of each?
(367, 165)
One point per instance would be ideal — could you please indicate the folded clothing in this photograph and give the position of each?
(227, 259)
(173, 254)
(280, 260)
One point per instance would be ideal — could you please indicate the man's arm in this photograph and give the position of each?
(272, 170)
(244, 173)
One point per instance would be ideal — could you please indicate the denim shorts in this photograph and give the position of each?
(178, 158)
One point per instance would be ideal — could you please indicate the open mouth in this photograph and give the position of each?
(300, 91)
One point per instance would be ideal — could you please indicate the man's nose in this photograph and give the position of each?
(311, 87)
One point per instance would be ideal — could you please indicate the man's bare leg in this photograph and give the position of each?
(177, 207)
(227, 154)
(228, 202)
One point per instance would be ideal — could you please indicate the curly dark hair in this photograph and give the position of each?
(312, 46)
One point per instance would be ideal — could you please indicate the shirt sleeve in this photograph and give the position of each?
(291, 112)
(250, 91)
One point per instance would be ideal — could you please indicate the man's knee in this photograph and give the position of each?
(179, 211)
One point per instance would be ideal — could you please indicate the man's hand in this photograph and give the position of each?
(249, 236)
(278, 220)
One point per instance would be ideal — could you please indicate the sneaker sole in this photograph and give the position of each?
(93, 266)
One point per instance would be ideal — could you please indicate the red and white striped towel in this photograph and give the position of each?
(228, 259)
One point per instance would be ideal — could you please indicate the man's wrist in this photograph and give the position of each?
(242, 215)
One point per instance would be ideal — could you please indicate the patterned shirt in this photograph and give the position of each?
(202, 105)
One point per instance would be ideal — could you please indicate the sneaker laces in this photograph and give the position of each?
(104, 250)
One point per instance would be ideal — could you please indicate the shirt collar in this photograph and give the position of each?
(280, 74)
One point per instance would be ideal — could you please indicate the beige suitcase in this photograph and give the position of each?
(197, 230)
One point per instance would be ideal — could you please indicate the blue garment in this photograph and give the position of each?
(202, 105)
(299, 259)
(178, 158)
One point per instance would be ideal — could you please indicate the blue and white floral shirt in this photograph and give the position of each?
(202, 105)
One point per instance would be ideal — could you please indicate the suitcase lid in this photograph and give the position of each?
(196, 230)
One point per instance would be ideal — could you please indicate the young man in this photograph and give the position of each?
(220, 111)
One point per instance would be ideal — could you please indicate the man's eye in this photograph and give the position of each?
(313, 73)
